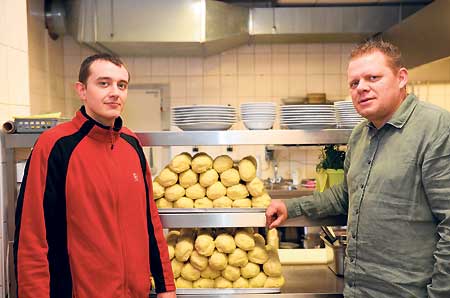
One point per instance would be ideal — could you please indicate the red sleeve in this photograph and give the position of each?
(30, 247)
(159, 255)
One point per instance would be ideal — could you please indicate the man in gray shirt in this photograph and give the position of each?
(396, 191)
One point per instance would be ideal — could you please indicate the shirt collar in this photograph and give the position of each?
(401, 116)
(403, 113)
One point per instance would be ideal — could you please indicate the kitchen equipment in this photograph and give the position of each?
(316, 98)
(329, 234)
(336, 254)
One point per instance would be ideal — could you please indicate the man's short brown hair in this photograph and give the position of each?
(86, 64)
(390, 51)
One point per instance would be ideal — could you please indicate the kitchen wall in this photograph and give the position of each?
(46, 62)
(249, 73)
(261, 72)
(436, 93)
(14, 86)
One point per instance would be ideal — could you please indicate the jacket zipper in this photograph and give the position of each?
(111, 133)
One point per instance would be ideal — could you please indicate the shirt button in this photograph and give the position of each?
(357, 210)
(369, 162)
(362, 186)
(353, 235)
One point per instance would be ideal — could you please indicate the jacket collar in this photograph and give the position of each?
(98, 131)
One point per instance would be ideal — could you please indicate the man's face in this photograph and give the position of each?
(376, 89)
(105, 91)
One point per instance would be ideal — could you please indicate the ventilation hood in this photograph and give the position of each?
(206, 27)
(425, 42)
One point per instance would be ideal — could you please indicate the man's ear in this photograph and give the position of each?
(402, 77)
(80, 88)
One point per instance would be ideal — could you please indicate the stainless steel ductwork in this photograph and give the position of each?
(205, 27)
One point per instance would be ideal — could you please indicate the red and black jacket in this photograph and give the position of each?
(86, 222)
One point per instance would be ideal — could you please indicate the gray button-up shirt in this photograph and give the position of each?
(396, 193)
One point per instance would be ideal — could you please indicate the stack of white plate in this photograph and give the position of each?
(204, 117)
(258, 115)
(307, 116)
(346, 115)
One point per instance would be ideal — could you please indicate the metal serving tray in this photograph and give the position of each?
(218, 292)
(210, 210)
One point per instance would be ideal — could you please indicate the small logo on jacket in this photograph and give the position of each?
(135, 177)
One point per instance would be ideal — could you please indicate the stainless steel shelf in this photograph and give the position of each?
(242, 219)
(226, 137)
(245, 137)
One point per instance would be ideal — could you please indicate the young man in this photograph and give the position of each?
(86, 222)
(396, 190)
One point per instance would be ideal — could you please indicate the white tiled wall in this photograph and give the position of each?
(14, 86)
(436, 93)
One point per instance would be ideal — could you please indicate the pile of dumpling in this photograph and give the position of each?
(201, 182)
(224, 258)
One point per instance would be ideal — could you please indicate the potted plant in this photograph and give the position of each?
(330, 170)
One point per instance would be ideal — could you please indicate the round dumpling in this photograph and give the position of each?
(158, 190)
(247, 168)
(262, 201)
(274, 282)
(237, 192)
(218, 260)
(174, 192)
(183, 203)
(230, 177)
(181, 162)
(204, 245)
(258, 255)
(198, 261)
(250, 270)
(183, 283)
(258, 281)
(222, 163)
(184, 248)
(208, 178)
(241, 283)
(222, 202)
(244, 240)
(163, 203)
(171, 240)
(210, 273)
(238, 258)
(201, 163)
(225, 243)
(256, 187)
(242, 203)
(167, 178)
(176, 267)
(188, 178)
(216, 191)
(222, 283)
(231, 273)
(203, 203)
(203, 283)
(195, 192)
(189, 272)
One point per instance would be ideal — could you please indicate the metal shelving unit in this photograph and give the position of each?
(195, 138)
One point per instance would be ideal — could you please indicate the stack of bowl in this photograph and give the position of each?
(258, 115)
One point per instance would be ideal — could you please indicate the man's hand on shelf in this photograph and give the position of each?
(276, 214)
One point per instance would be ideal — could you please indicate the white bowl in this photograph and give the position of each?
(258, 125)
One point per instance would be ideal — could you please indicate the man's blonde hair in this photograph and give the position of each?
(390, 51)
